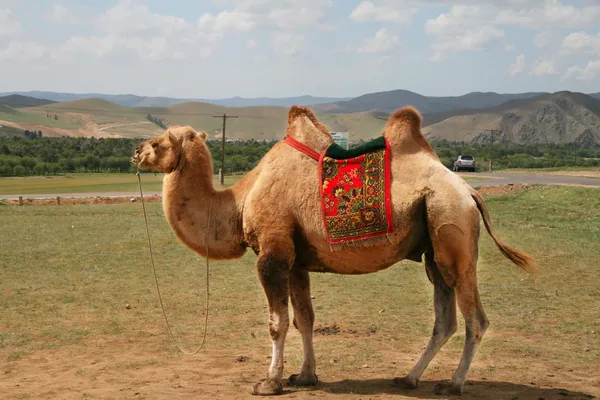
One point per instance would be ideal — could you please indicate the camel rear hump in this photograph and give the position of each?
(403, 130)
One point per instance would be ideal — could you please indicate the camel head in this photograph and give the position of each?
(164, 153)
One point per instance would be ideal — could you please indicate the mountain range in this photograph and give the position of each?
(559, 117)
(130, 100)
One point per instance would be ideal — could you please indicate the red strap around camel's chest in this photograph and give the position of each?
(301, 147)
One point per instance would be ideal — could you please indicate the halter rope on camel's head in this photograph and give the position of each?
(156, 276)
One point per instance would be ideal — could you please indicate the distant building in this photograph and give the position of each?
(341, 138)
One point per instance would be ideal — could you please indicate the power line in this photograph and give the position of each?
(224, 116)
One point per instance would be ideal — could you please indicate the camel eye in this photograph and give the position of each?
(154, 145)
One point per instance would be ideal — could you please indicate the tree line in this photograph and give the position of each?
(37, 155)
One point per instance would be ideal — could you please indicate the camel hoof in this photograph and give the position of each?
(267, 387)
(448, 388)
(405, 383)
(296, 380)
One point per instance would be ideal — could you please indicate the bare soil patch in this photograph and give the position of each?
(503, 190)
(83, 200)
(486, 191)
(592, 173)
(123, 371)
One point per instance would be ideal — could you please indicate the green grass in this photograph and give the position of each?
(32, 118)
(88, 183)
(79, 183)
(66, 274)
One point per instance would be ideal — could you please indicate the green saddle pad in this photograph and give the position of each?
(337, 152)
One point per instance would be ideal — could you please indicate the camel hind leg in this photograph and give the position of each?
(453, 228)
(444, 326)
(455, 254)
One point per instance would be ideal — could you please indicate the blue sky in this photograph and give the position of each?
(277, 48)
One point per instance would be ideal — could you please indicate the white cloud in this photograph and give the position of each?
(382, 42)
(543, 67)
(8, 26)
(251, 44)
(460, 18)
(464, 28)
(226, 21)
(468, 18)
(581, 43)
(476, 39)
(543, 39)
(587, 73)
(289, 44)
(551, 14)
(132, 30)
(62, 15)
(518, 67)
(23, 51)
(367, 11)
(284, 14)
(155, 48)
(510, 48)
(128, 17)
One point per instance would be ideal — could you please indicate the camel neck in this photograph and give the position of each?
(187, 194)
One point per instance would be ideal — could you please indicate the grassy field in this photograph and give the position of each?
(253, 122)
(96, 183)
(80, 316)
(87, 183)
(32, 118)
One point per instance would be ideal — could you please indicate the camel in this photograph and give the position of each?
(274, 210)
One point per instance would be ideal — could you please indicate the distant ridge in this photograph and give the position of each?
(130, 100)
(19, 101)
(561, 117)
(390, 101)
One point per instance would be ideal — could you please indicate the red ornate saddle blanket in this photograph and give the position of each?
(355, 192)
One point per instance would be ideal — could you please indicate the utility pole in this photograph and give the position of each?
(492, 131)
(224, 116)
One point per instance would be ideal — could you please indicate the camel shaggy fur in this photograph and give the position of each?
(275, 210)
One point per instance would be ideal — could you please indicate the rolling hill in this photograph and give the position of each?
(391, 100)
(558, 118)
(130, 100)
(18, 101)
(101, 117)
(561, 117)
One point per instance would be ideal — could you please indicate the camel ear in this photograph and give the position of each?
(202, 135)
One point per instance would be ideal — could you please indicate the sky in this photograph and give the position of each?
(280, 48)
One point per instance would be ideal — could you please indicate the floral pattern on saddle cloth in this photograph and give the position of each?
(355, 196)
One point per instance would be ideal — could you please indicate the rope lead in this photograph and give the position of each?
(156, 276)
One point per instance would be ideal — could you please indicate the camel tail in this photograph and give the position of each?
(518, 257)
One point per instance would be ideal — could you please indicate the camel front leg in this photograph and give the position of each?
(304, 319)
(273, 271)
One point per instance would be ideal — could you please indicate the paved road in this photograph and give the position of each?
(494, 179)
(518, 178)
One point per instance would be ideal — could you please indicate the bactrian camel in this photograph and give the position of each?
(275, 210)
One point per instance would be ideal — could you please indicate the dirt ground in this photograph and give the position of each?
(583, 173)
(84, 200)
(123, 371)
(484, 190)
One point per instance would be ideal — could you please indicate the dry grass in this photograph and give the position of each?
(67, 274)
(88, 183)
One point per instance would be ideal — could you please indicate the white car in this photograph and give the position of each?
(464, 162)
